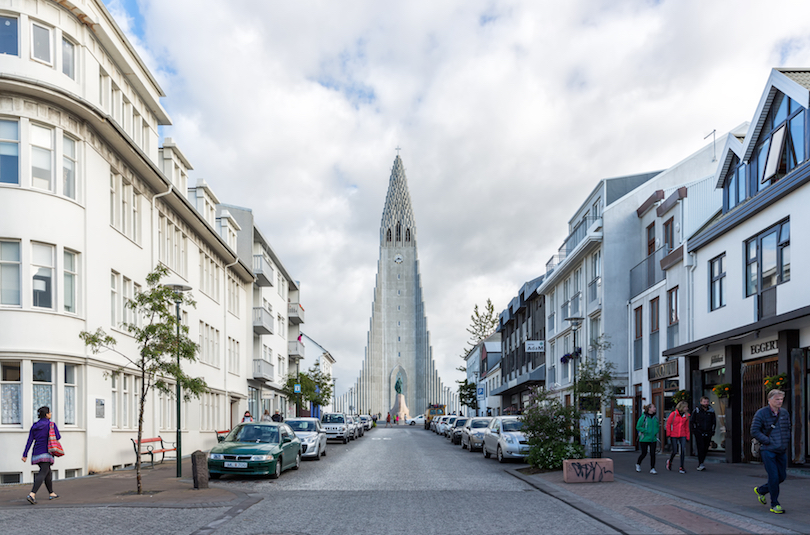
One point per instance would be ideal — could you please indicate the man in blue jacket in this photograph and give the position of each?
(771, 427)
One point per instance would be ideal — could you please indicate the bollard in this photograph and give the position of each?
(199, 469)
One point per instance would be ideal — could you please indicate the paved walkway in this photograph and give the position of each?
(718, 500)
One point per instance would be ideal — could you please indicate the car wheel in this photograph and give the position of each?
(412, 423)
(277, 471)
(486, 453)
(500, 455)
(297, 464)
(318, 455)
(214, 476)
(323, 453)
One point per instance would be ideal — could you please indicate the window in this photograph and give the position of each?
(781, 146)
(654, 315)
(70, 394)
(42, 275)
(125, 382)
(9, 43)
(669, 234)
(651, 239)
(68, 167)
(638, 318)
(69, 281)
(9, 273)
(767, 261)
(233, 355)
(41, 157)
(407, 234)
(126, 311)
(735, 184)
(41, 43)
(209, 344)
(68, 59)
(717, 274)
(43, 386)
(113, 200)
(9, 151)
(114, 315)
(672, 306)
(114, 400)
(399, 232)
(388, 235)
(10, 393)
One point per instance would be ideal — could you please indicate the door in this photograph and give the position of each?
(754, 398)
(622, 425)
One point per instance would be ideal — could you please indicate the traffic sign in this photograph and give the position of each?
(297, 389)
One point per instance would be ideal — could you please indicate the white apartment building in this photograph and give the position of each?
(79, 117)
(326, 362)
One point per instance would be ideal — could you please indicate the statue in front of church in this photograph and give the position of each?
(400, 409)
(398, 386)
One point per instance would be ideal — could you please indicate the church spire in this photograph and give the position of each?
(398, 227)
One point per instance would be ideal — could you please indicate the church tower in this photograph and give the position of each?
(398, 344)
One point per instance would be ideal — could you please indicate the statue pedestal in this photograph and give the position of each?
(399, 409)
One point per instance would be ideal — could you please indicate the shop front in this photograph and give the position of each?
(664, 382)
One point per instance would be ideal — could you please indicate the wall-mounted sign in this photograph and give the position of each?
(665, 369)
(481, 392)
(99, 408)
(535, 346)
(717, 359)
(765, 347)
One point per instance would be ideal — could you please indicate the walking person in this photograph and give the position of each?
(38, 435)
(247, 417)
(703, 423)
(388, 420)
(647, 427)
(266, 416)
(677, 429)
(277, 417)
(771, 427)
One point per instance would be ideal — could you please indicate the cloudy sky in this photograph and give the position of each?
(507, 114)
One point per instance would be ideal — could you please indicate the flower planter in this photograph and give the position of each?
(588, 470)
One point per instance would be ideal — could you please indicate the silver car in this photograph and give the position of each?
(505, 439)
(336, 426)
(312, 435)
(367, 421)
(448, 425)
(472, 434)
(455, 432)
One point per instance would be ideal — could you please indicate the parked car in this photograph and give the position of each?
(367, 421)
(416, 420)
(472, 434)
(313, 437)
(359, 425)
(351, 428)
(440, 424)
(434, 424)
(336, 426)
(255, 448)
(505, 439)
(455, 432)
(448, 425)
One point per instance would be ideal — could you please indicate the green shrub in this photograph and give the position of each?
(550, 429)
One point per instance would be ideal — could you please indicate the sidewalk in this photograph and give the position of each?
(161, 488)
(720, 499)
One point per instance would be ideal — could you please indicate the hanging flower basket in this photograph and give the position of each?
(722, 391)
(681, 395)
(576, 353)
(775, 382)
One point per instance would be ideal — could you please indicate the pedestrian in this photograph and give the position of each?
(396, 419)
(38, 435)
(678, 431)
(703, 422)
(771, 427)
(647, 427)
(277, 417)
(388, 420)
(266, 416)
(247, 417)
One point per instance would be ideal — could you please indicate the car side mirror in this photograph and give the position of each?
(495, 432)
(220, 438)
(284, 440)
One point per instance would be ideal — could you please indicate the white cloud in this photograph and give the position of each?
(507, 112)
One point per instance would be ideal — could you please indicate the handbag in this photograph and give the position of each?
(54, 447)
(756, 445)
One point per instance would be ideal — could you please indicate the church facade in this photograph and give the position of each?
(398, 351)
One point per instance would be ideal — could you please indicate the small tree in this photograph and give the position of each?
(550, 429)
(316, 387)
(158, 347)
(482, 324)
(594, 388)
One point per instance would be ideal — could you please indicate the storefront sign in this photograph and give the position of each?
(535, 346)
(666, 369)
(717, 359)
(765, 347)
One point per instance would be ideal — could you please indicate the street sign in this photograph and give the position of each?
(535, 346)
(297, 389)
(480, 391)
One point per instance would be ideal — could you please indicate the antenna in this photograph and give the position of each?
(713, 133)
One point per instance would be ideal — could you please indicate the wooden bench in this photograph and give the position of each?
(150, 445)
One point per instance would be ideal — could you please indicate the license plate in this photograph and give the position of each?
(229, 464)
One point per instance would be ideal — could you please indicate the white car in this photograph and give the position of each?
(417, 420)
(336, 426)
(505, 439)
(312, 435)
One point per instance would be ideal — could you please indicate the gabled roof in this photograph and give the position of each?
(733, 147)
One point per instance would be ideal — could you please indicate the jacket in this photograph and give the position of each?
(39, 437)
(677, 425)
(778, 439)
(647, 427)
(703, 420)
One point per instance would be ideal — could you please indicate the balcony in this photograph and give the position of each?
(262, 321)
(555, 261)
(647, 273)
(576, 237)
(263, 270)
(295, 349)
(263, 370)
(295, 313)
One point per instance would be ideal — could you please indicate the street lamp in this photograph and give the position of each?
(178, 290)
(576, 322)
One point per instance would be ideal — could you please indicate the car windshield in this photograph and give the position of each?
(260, 434)
(460, 422)
(302, 425)
(365, 418)
(332, 419)
(512, 425)
(478, 424)
(451, 420)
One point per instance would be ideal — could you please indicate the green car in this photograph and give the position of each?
(255, 448)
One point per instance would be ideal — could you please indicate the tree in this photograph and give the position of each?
(482, 324)
(316, 387)
(594, 389)
(467, 395)
(551, 430)
(155, 333)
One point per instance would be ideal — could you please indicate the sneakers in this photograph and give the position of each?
(638, 468)
(701, 468)
(652, 471)
(777, 509)
(760, 497)
(669, 465)
(681, 470)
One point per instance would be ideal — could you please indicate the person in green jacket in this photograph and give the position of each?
(647, 427)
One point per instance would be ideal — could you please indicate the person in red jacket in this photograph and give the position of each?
(677, 430)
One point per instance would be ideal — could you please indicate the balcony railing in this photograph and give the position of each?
(295, 313)
(295, 349)
(577, 235)
(655, 354)
(647, 273)
(554, 262)
(672, 336)
(593, 289)
(638, 353)
(263, 270)
(262, 321)
(263, 370)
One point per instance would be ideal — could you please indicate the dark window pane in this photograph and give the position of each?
(42, 372)
(781, 105)
(751, 279)
(741, 183)
(769, 260)
(785, 251)
(11, 372)
(785, 234)
(8, 36)
(797, 135)
(762, 155)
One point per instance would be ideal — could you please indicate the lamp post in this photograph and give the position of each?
(178, 290)
(576, 322)
(475, 374)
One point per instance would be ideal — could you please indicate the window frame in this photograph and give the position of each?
(673, 298)
(782, 244)
(18, 263)
(718, 280)
(72, 62)
(16, 143)
(16, 35)
(50, 31)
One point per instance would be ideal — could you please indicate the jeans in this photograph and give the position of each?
(675, 442)
(776, 467)
(702, 443)
(46, 475)
(645, 447)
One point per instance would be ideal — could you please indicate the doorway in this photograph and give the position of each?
(622, 425)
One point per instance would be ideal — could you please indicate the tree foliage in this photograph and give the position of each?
(316, 387)
(155, 332)
(482, 325)
(550, 429)
(467, 395)
(595, 388)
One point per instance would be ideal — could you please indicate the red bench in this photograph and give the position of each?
(149, 446)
